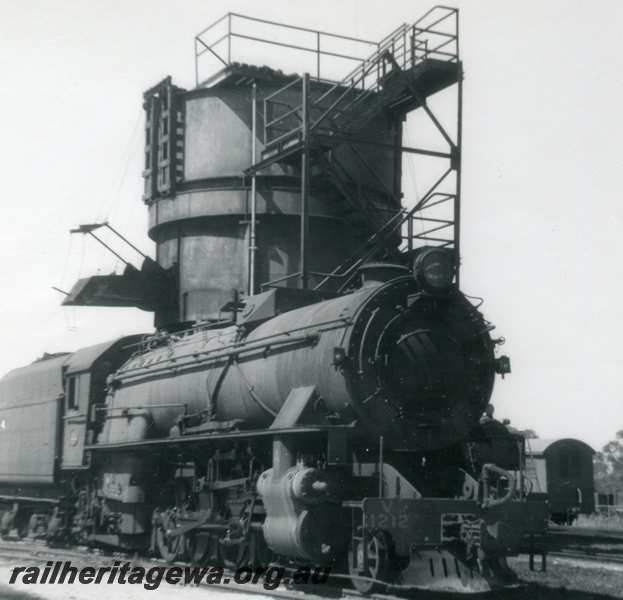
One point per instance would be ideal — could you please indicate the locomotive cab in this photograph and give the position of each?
(84, 376)
(49, 412)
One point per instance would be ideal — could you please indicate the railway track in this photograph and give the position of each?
(598, 557)
(28, 552)
(19, 549)
(562, 532)
(604, 546)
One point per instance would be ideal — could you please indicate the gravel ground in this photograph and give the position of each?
(565, 580)
(21, 591)
(577, 579)
(9, 594)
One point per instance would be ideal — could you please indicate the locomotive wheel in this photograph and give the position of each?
(254, 552)
(248, 551)
(22, 524)
(249, 548)
(4, 521)
(378, 563)
(197, 547)
(170, 547)
(233, 553)
(498, 568)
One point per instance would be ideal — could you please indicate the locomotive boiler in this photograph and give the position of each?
(412, 366)
(312, 393)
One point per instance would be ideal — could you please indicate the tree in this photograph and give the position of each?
(609, 466)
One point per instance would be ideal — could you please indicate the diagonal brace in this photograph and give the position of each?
(422, 101)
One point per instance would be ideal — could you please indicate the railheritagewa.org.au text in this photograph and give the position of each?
(152, 577)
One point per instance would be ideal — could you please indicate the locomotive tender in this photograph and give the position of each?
(329, 415)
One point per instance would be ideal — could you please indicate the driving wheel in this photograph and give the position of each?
(170, 545)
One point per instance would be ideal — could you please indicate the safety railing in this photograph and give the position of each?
(433, 36)
(237, 38)
(325, 101)
(404, 219)
(437, 35)
(434, 229)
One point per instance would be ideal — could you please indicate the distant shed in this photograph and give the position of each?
(562, 469)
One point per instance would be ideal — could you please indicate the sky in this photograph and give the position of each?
(541, 211)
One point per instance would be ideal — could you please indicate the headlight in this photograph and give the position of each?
(434, 269)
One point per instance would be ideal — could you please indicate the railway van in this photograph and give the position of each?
(562, 470)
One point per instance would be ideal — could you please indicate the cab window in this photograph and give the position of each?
(73, 389)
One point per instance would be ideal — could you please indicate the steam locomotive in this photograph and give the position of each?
(331, 417)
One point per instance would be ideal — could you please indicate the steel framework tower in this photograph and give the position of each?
(308, 118)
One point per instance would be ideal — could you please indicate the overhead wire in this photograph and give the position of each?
(107, 205)
(67, 315)
(104, 212)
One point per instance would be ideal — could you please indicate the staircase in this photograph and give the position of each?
(403, 61)
(310, 116)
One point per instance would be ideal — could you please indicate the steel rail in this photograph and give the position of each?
(214, 53)
(373, 59)
(434, 32)
(450, 12)
(272, 282)
(295, 47)
(283, 89)
(297, 27)
(207, 47)
(438, 228)
(290, 133)
(600, 557)
(585, 532)
(429, 238)
(213, 25)
(284, 115)
(431, 219)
